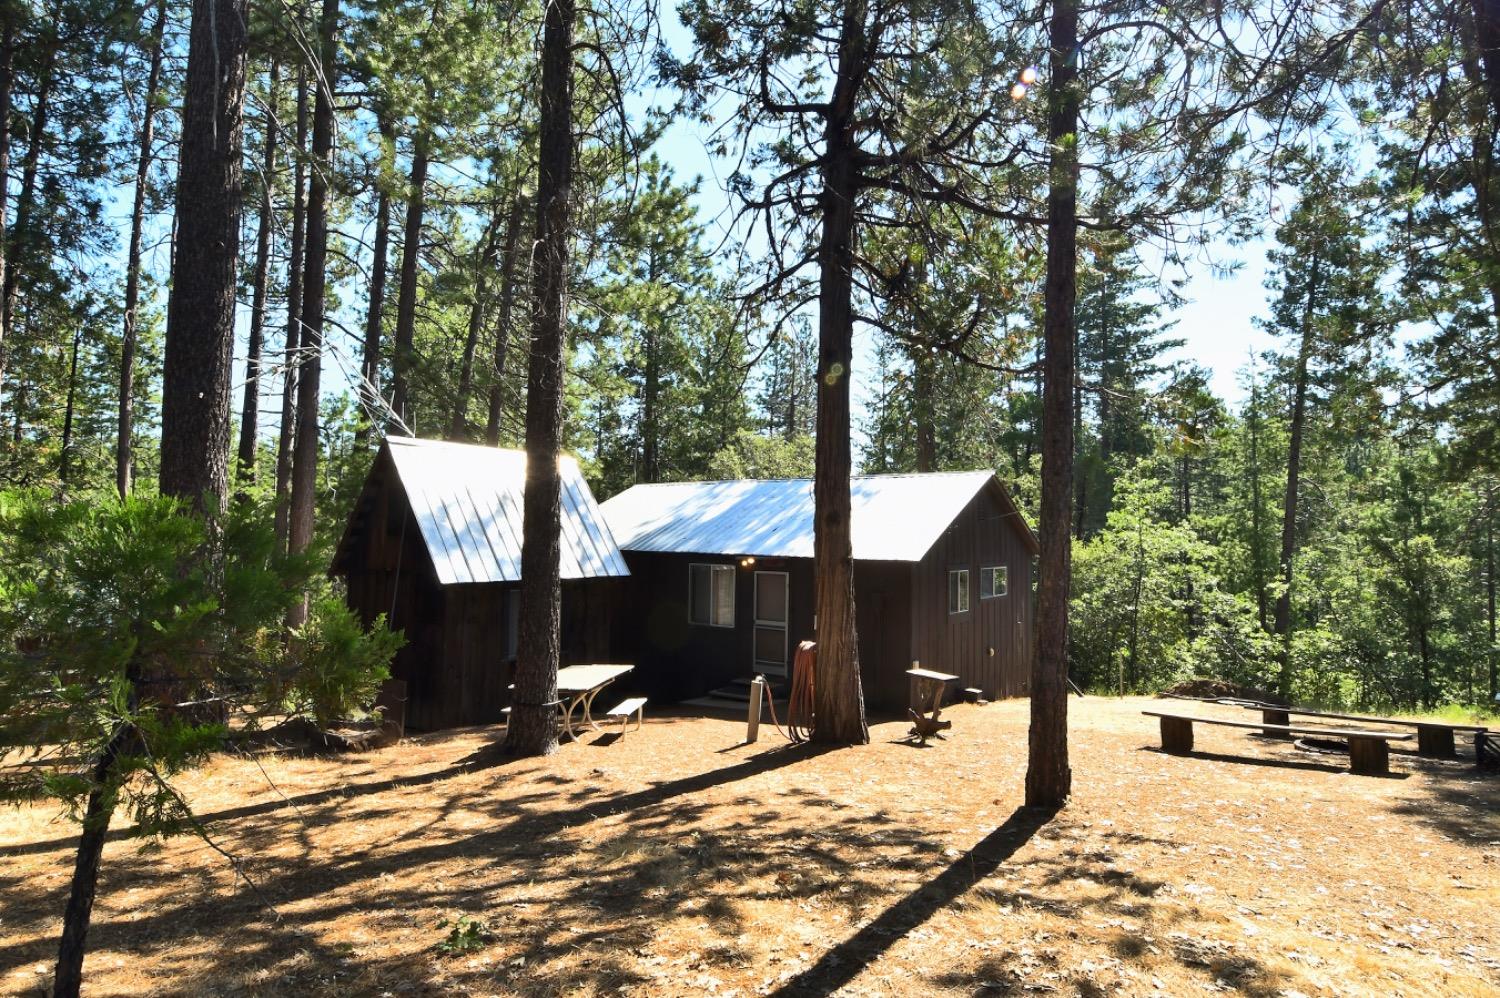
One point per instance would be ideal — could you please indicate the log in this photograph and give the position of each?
(1279, 717)
(1369, 756)
(1176, 735)
(1436, 741)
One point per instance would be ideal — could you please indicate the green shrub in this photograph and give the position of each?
(336, 665)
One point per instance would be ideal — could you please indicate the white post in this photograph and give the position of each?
(757, 694)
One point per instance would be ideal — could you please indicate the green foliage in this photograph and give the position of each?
(101, 602)
(335, 665)
(135, 629)
(751, 455)
(466, 935)
(1150, 606)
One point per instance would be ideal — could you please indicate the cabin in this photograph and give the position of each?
(721, 583)
(434, 543)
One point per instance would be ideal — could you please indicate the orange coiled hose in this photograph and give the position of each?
(799, 708)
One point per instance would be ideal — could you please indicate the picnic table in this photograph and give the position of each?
(926, 722)
(577, 685)
(1434, 738)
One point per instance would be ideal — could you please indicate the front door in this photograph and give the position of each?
(770, 623)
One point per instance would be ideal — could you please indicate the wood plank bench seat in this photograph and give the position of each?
(623, 710)
(1369, 750)
(1435, 739)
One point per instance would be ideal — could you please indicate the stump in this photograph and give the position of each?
(1176, 735)
(1436, 742)
(1369, 756)
(1275, 717)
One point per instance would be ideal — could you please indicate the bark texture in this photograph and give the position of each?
(1297, 430)
(838, 701)
(250, 407)
(533, 719)
(200, 312)
(286, 436)
(7, 89)
(314, 284)
(1049, 778)
(68, 978)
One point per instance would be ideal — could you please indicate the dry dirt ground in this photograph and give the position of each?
(676, 862)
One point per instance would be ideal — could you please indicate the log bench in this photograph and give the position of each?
(1435, 739)
(1369, 750)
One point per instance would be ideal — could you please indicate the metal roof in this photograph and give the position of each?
(467, 501)
(895, 517)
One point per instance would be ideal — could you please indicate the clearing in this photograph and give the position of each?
(674, 862)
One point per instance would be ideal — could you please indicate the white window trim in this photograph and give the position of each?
(968, 592)
(990, 569)
(713, 567)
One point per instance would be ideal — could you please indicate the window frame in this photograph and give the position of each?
(965, 590)
(714, 568)
(986, 573)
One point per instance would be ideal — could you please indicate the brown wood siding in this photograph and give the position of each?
(454, 662)
(678, 660)
(989, 647)
(882, 598)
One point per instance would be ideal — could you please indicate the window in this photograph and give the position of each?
(958, 590)
(994, 580)
(711, 595)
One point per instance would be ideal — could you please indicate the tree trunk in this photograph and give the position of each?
(1487, 34)
(1293, 476)
(20, 233)
(76, 917)
(651, 390)
(1048, 776)
(922, 411)
(458, 428)
(369, 368)
(250, 409)
(287, 433)
(406, 300)
(1257, 548)
(200, 311)
(533, 719)
(838, 700)
(65, 461)
(1492, 655)
(503, 331)
(7, 89)
(125, 427)
(314, 284)
(1081, 501)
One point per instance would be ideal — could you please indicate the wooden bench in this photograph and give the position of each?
(623, 710)
(1369, 751)
(1434, 738)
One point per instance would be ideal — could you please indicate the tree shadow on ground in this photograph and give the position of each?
(841, 964)
(473, 763)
